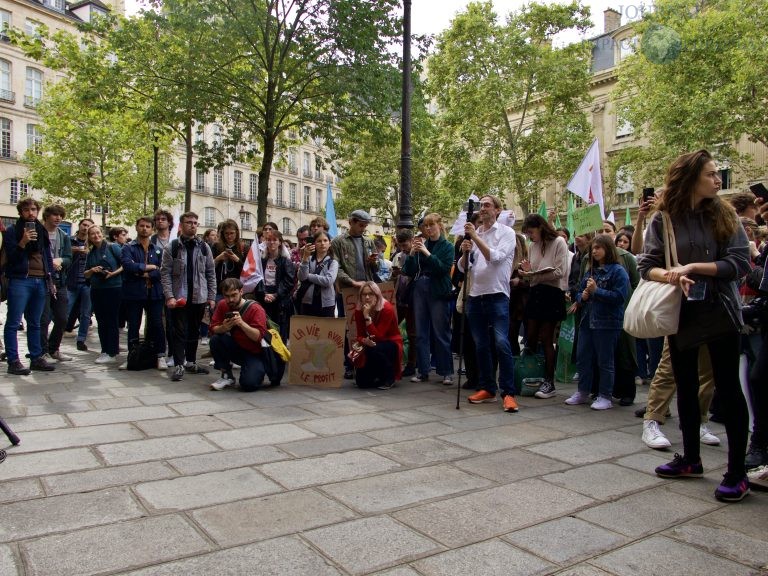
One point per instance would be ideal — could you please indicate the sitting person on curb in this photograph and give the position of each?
(237, 326)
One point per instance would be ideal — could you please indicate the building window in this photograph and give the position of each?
(318, 168)
(5, 24)
(217, 135)
(5, 138)
(625, 188)
(237, 184)
(292, 168)
(253, 187)
(218, 182)
(5, 81)
(725, 176)
(33, 88)
(319, 199)
(245, 221)
(279, 193)
(307, 165)
(19, 189)
(292, 196)
(627, 47)
(34, 138)
(287, 226)
(31, 27)
(199, 181)
(199, 134)
(101, 209)
(623, 127)
(307, 203)
(209, 217)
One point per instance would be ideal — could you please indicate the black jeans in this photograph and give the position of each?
(154, 323)
(758, 387)
(106, 308)
(55, 311)
(186, 328)
(724, 354)
(380, 363)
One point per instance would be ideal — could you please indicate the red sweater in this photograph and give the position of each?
(384, 327)
(254, 317)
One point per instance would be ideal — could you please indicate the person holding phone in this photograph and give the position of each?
(712, 250)
(28, 269)
(316, 295)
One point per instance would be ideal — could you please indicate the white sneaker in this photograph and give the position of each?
(653, 436)
(638, 381)
(161, 363)
(601, 404)
(222, 383)
(123, 366)
(707, 437)
(575, 377)
(103, 358)
(204, 341)
(61, 357)
(577, 397)
(169, 362)
(758, 477)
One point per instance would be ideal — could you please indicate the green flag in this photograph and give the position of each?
(557, 222)
(569, 216)
(627, 218)
(543, 209)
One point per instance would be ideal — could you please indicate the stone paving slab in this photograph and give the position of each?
(181, 425)
(173, 397)
(509, 466)
(120, 415)
(270, 516)
(58, 513)
(647, 512)
(502, 437)
(115, 403)
(724, 542)
(325, 469)
(17, 490)
(259, 436)
(106, 477)
(590, 447)
(488, 513)
(421, 452)
(40, 463)
(154, 449)
(279, 557)
(749, 518)
(190, 492)
(317, 446)
(348, 424)
(664, 556)
(491, 558)
(412, 432)
(29, 423)
(576, 540)
(263, 416)
(361, 546)
(201, 407)
(116, 547)
(602, 481)
(397, 489)
(9, 565)
(79, 436)
(224, 460)
(57, 408)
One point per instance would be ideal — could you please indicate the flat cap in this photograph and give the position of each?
(360, 215)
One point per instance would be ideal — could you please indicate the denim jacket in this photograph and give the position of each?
(134, 261)
(604, 309)
(17, 265)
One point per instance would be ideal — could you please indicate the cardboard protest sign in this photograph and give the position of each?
(587, 219)
(317, 352)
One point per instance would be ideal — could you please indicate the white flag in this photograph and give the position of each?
(587, 181)
(252, 273)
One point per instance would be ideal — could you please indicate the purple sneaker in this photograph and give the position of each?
(680, 468)
(733, 488)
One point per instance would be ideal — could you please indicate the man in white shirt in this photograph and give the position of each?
(491, 248)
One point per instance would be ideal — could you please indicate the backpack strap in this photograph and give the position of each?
(244, 306)
(175, 248)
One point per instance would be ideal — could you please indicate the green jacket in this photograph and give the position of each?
(437, 266)
(345, 253)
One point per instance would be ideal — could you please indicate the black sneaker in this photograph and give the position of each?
(756, 455)
(386, 385)
(349, 375)
(680, 467)
(16, 368)
(733, 488)
(42, 365)
(546, 390)
(81, 346)
(178, 373)
(193, 368)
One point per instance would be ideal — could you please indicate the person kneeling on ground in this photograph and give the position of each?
(237, 326)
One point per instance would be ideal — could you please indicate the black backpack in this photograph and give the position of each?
(141, 356)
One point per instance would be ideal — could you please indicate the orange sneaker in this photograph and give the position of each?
(482, 396)
(510, 404)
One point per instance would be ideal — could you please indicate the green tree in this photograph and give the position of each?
(484, 73)
(88, 156)
(313, 67)
(698, 81)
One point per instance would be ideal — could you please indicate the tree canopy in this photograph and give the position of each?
(485, 72)
(698, 81)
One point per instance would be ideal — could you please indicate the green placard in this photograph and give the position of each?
(587, 219)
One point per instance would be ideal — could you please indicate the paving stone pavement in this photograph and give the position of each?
(129, 473)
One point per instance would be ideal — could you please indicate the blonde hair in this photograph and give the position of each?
(373, 287)
(434, 218)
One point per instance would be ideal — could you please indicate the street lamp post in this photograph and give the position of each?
(406, 214)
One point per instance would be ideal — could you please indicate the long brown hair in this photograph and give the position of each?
(679, 185)
(546, 231)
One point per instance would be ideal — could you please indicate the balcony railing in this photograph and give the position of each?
(293, 205)
(8, 96)
(31, 101)
(8, 155)
(293, 170)
(280, 203)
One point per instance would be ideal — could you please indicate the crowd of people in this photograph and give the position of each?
(490, 296)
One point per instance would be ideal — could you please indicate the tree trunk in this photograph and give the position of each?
(264, 172)
(188, 167)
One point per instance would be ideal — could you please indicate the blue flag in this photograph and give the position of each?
(330, 213)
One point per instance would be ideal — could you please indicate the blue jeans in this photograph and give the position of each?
(492, 310)
(225, 351)
(83, 292)
(433, 323)
(106, 307)
(648, 356)
(26, 297)
(600, 345)
(155, 330)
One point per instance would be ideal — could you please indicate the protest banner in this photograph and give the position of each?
(587, 219)
(317, 352)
